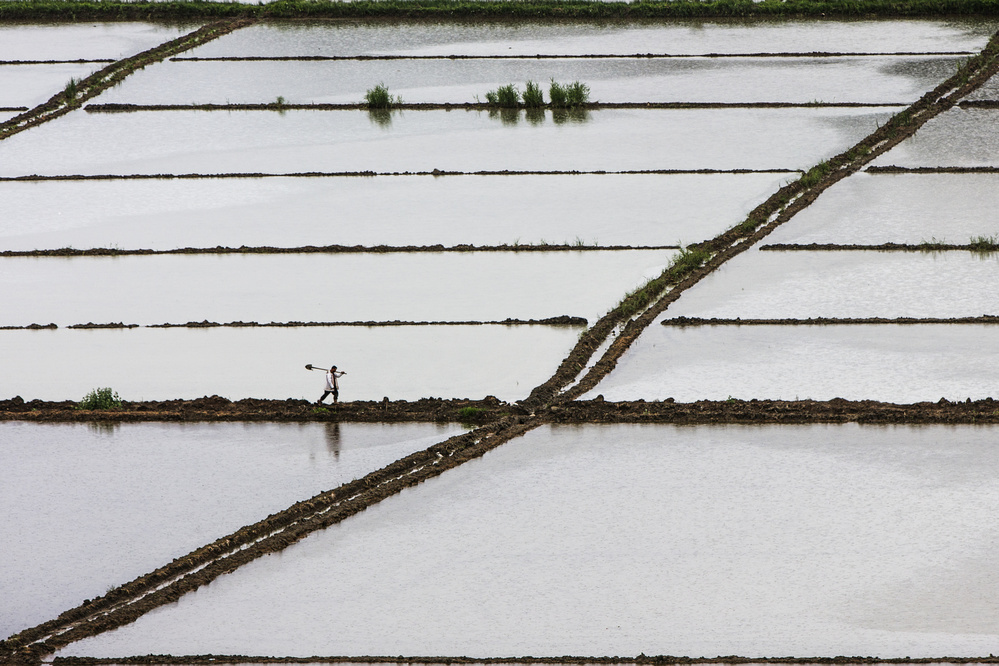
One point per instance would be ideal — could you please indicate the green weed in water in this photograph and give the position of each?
(379, 98)
(568, 96)
(507, 97)
(533, 97)
(984, 243)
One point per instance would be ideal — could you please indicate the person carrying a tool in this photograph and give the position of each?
(332, 385)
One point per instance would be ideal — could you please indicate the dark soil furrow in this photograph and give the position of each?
(882, 247)
(891, 168)
(476, 106)
(561, 320)
(332, 249)
(829, 321)
(12, 109)
(561, 56)
(65, 101)
(78, 61)
(369, 174)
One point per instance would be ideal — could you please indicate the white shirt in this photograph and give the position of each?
(331, 379)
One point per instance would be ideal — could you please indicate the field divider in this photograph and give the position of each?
(684, 322)
(567, 56)
(436, 173)
(475, 106)
(77, 61)
(630, 318)
(77, 92)
(560, 320)
(335, 249)
(892, 169)
(981, 247)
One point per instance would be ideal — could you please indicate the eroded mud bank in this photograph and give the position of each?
(827, 321)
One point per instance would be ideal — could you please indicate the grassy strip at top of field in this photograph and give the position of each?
(83, 10)
(78, 91)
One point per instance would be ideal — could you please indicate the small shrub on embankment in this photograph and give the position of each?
(506, 97)
(100, 398)
(984, 243)
(568, 96)
(380, 98)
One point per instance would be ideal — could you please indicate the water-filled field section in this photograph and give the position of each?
(609, 540)
(99, 505)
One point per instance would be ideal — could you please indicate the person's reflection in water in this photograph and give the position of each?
(333, 439)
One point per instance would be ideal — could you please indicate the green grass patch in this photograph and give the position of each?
(506, 97)
(686, 261)
(100, 398)
(568, 96)
(533, 97)
(380, 98)
(984, 243)
(815, 174)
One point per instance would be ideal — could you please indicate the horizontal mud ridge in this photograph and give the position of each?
(559, 56)
(436, 173)
(168, 660)
(561, 320)
(335, 249)
(891, 168)
(882, 247)
(682, 322)
(476, 106)
(491, 410)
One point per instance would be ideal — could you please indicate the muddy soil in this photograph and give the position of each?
(169, 660)
(561, 320)
(828, 321)
(881, 247)
(891, 168)
(491, 409)
(554, 56)
(475, 106)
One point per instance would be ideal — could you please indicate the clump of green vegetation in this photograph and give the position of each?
(931, 245)
(100, 398)
(280, 101)
(568, 96)
(320, 410)
(507, 97)
(533, 97)
(984, 243)
(71, 90)
(380, 98)
(469, 413)
(815, 174)
(685, 261)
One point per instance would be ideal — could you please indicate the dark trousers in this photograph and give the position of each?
(335, 392)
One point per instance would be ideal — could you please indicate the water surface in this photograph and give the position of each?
(891, 363)
(86, 40)
(898, 208)
(957, 137)
(403, 363)
(30, 85)
(846, 284)
(480, 286)
(299, 141)
(99, 505)
(611, 540)
(800, 80)
(677, 36)
(411, 210)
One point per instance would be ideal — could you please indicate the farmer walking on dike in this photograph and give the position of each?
(332, 385)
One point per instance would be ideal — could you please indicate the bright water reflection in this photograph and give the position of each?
(958, 137)
(30, 85)
(592, 209)
(402, 362)
(72, 41)
(892, 363)
(97, 507)
(480, 286)
(898, 208)
(846, 284)
(676, 36)
(802, 80)
(616, 540)
(299, 141)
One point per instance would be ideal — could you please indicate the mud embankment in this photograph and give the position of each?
(492, 410)
(891, 168)
(475, 106)
(881, 247)
(561, 320)
(170, 660)
(682, 322)
(333, 249)
(436, 173)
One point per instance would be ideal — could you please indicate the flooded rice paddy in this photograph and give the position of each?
(601, 540)
(899, 208)
(653, 209)
(86, 40)
(799, 80)
(667, 540)
(102, 504)
(401, 362)
(30, 85)
(698, 37)
(891, 363)
(766, 285)
(345, 287)
(960, 137)
(302, 141)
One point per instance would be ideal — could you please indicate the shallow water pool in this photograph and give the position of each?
(99, 505)
(620, 540)
(30, 85)
(956, 138)
(88, 39)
